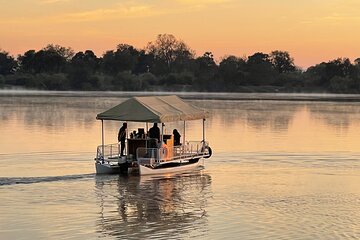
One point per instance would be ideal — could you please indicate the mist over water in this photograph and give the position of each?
(279, 170)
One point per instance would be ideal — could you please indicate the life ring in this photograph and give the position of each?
(210, 152)
(165, 152)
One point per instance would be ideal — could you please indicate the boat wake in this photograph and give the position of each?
(5, 181)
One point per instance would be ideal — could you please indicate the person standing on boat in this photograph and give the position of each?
(154, 132)
(176, 137)
(122, 137)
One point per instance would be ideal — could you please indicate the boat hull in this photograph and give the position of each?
(105, 168)
(145, 170)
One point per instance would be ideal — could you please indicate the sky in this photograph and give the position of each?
(312, 31)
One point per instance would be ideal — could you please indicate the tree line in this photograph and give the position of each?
(170, 64)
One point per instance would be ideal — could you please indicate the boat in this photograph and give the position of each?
(149, 156)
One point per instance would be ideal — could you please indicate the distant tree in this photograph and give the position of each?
(170, 63)
(282, 62)
(66, 53)
(258, 58)
(87, 60)
(2, 80)
(356, 74)
(206, 62)
(167, 50)
(231, 69)
(339, 67)
(184, 60)
(205, 73)
(51, 59)
(316, 75)
(81, 70)
(339, 84)
(108, 64)
(125, 58)
(57, 81)
(183, 78)
(8, 64)
(27, 62)
(260, 70)
(323, 73)
(357, 61)
(125, 81)
(145, 62)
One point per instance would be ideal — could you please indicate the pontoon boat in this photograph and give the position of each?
(141, 153)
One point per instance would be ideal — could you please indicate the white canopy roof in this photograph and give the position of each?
(153, 109)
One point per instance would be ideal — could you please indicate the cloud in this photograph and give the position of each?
(125, 9)
(129, 9)
(203, 2)
(102, 14)
(337, 17)
(200, 4)
(53, 1)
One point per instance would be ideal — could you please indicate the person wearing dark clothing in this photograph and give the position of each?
(154, 132)
(176, 137)
(122, 137)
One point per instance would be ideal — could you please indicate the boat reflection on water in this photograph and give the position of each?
(160, 207)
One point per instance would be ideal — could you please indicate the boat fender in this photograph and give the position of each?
(210, 152)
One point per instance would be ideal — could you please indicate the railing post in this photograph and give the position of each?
(118, 151)
(162, 133)
(184, 134)
(102, 139)
(157, 155)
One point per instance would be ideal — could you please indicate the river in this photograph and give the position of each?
(283, 167)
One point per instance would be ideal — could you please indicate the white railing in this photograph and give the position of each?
(154, 156)
(196, 147)
(111, 151)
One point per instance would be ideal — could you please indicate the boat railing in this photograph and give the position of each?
(111, 152)
(156, 156)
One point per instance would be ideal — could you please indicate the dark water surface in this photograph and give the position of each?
(280, 170)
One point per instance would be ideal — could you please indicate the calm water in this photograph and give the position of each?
(280, 170)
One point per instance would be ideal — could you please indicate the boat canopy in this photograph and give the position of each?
(155, 109)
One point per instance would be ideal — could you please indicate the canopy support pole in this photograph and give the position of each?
(102, 139)
(184, 133)
(146, 135)
(126, 139)
(162, 133)
(203, 130)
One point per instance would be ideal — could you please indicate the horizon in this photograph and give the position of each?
(311, 31)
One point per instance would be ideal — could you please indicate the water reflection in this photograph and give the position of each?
(144, 207)
(337, 115)
(256, 114)
(39, 123)
(55, 112)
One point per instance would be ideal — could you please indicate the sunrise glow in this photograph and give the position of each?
(311, 31)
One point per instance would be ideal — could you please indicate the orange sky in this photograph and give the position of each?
(311, 30)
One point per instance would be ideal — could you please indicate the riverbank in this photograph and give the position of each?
(191, 95)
